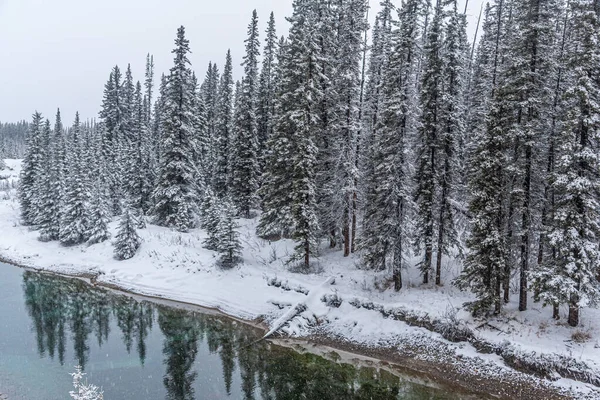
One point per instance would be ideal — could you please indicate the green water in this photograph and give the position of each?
(141, 350)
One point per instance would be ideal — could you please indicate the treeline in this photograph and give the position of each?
(12, 139)
(388, 145)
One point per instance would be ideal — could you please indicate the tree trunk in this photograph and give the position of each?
(573, 319)
(354, 211)
(555, 311)
(526, 228)
(307, 255)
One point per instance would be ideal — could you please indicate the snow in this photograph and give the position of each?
(175, 266)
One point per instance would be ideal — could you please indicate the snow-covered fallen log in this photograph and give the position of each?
(312, 300)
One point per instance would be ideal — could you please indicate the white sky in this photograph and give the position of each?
(59, 53)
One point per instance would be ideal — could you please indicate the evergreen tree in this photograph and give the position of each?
(149, 88)
(223, 140)
(428, 140)
(452, 118)
(346, 124)
(99, 203)
(487, 265)
(113, 115)
(203, 157)
(210, 212)
(266, 87)
(275, 192)
(175, 193)
(228, 243)
(127, 241)
(385, 233)
(30, 168)
(73, 227)
(245, 166)
(571, 276)
(209, 91)
(299, 119)
(47, 203)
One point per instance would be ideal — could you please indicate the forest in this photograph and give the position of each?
(386, 141)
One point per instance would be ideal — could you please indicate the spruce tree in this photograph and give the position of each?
(299, 118)
(346, 124)
(203, 144)
(228, 243)
(452, 118)
(74, 227)
(275, 192)
(210, 212)
(385, 235)
(266, 87)
(48, 204)
(30, 171)
(175, 193)
(99, 203)
(112, 115)
(127, 242)
(429, 140)
(245, 165)
(223, 139)
(571, 277)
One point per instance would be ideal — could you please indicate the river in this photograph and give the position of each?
(138, 349)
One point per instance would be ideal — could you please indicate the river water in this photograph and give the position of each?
(140, 350)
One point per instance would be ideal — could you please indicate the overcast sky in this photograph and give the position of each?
(59, 53)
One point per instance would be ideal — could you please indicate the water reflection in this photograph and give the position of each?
(59, 307)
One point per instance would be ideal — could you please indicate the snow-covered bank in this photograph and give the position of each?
(419, 321)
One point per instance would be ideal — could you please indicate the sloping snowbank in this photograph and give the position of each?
(176, 266)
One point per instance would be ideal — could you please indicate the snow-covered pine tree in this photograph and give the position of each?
(326, 38)
(346, 124)
(487, 265)
(299, 117)
(428, 141)
(571, 277)
(48, 204)
(158, 124)
(203, 145)
(127, 242)
(113, 114)
(223, 144)
(385, 235)
(210, 213)
(379, 52)
(545, 251)
(276, 218)
(245, 158)
(73, 227)
(210, 93)
(99, 203)
(452, 122)
(58, 175)
(380, 47)
(149, 88)
(175, 193)
(526, 85)
(135, 160)
(228, 243)
(31, 166)
(266, 88)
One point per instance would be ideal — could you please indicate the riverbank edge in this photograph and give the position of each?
(461, 373)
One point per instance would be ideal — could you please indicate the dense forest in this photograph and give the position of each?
(12, 139)
(386, 141)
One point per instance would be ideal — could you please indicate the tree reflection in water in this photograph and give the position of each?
(266, 371)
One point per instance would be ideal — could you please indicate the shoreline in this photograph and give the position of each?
(405, 359)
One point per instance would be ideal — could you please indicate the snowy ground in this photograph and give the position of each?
(176, 266)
